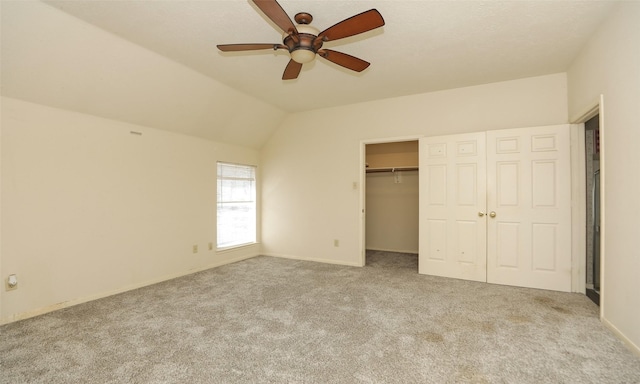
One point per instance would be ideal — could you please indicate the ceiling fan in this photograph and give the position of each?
(304, 42)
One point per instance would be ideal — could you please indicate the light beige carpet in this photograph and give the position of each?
(269, 320)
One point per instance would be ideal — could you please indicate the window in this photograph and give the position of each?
(236, 205)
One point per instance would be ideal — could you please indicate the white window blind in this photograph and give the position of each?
(236, 205)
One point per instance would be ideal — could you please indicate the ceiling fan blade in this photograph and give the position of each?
(292, 71)
(354, 25)
(274, 11)
(248, 47)
(342, 59)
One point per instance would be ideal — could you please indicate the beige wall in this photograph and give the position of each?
(392, 211)
(311, 162)
(52, 58)
(610, 65)
(89, 209)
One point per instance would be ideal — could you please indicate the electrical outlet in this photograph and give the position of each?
(211, 246)
(195, 249)
(336, 243)
(11, 282)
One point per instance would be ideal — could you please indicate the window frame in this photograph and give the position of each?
(252, 238)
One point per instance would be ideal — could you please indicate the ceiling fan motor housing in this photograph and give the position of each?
(303, 45)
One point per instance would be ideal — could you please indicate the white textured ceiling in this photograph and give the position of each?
(424, 46)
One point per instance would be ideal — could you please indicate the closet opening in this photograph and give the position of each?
(391, 194)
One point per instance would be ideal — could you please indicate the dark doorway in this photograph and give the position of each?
(592, 152)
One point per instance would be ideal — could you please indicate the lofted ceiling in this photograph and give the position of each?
(155, 63)
(424, 46)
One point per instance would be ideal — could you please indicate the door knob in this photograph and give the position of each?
(492, 214)
(480, 214)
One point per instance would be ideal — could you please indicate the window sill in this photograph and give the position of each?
(235, 247)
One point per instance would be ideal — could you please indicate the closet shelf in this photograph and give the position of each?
(392, 169)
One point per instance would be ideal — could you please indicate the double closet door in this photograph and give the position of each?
(495, 207)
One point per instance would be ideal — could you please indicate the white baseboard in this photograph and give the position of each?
(634, 348)
(71, 303)
(317, 260)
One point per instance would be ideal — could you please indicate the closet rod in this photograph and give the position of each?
(391, 169)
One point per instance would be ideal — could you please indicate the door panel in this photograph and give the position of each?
(507, 180)
(528, 181)
(437, 240)
(466, 241)
(452, 235)
(508, 245)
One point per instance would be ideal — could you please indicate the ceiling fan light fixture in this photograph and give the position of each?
(303, 56)
(308, 29)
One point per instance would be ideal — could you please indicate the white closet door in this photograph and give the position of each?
(529, 192)
(452, 194)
